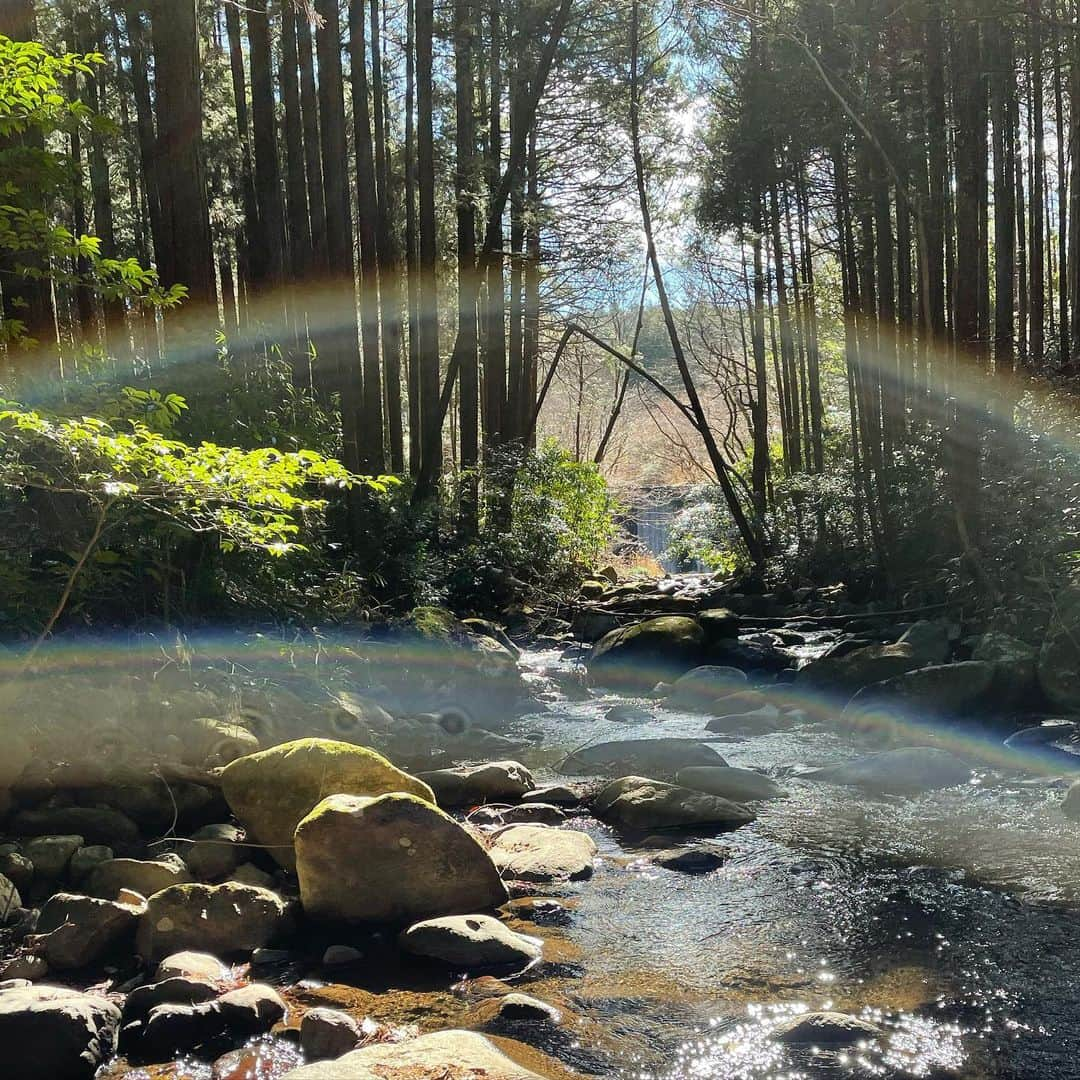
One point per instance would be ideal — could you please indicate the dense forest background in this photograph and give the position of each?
(389, 290)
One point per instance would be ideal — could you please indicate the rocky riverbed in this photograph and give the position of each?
(690, 832)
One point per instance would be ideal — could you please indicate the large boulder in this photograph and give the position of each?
(542, 854)
(442, 1055)
(79, 929)
(645, 653)
(218, 849)
(51, 855)
(471, 785)
(272, 791)
(700, 687)
(639, 803)
(738, 785)
(219, 919)
(55, 1033)
(395, 858)
(328, 1033)
(651, 757)
(467, 942)
(905, 771)
(946, 689)
(10, 900)
(847, 673)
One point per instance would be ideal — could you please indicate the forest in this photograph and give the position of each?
(539, 539)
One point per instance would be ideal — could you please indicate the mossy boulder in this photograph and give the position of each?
(272, 791)
(648, 652)
(392, 859)
(847, 673)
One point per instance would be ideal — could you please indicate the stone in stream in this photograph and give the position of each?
(471, 785)
(759, 722)
(189, 964)
(327, 1033)
(222, 919)
(145, 877)
(692, 860)
(10, 901)
(16, 867)
(719, 624)
(541, 854)
(699, 688)
(655, 757)
(272, 791)
(77, 930)
(51, 855)
(930, 640)
(845, 674)
(467, 942)
(640, 803)
(643, 653)
(1058, 665)
(949, 689)
(216, 853)
(525, 814)
(1071, 806)
(95, 824)
(628, 714)
(512, 1009)
(738, 785)
(53, 1033)
(825, 1029)
(905, 771)
(86, 858)
(177, 990)
(395, 858)
(553, 795)
(442, 1055)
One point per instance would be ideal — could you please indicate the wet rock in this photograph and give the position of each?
(641, 654)
(538, 853)
(16, 867)
(188, 964)
(55, 1033)
(639, 803)
(761, 721)
(541, 910)
(268, 957)
(742, 701)
(525, 814)
(693, 860)
(10, 901)
(272, 791)
(395, 858)
(719, 624)
(86, 858)
(250, 874)
(628, 714)
(155, 807)
(437, 1056)
(516, 1008)
(825, 1029)
(699, 688)
(177, 990)
(486, 628)
(738, 785)
(51, 854)
(172, 1029)
(327, 1033)
(77, 930)
(95, 824)
(554, 795)
(145, 877)
(470, 941)
(341, 956)
(951, 689)
(250, 1010)
(26, 967)
(470, 785)
(905, 771)
(216, 852)
(1003, 648)
(862, 667)
(224, 919)
(655, 757)
(930, 640)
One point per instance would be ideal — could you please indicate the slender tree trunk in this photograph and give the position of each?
(495, 309)
(301, 256)
(252, 251)
(309, 104)
(411, 262)
(1037, 346)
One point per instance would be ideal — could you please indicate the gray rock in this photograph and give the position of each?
(216, 852)
(252, 1009)
(78, 930)
(949, 689)
(341, 956)
(930, 640)
(699, 688)
(1071, 806)
(738, 785)
(177, 990)
(172, 1029)
(223, 919)
(17, 868)
(643, 653)
(470, 785)
(864, 666)
(825, 1029)
(327, 1033)
(692, 860)
(639, 803)
(97, 825)
(86, 858)
(554, 795)
(193, 965)
(145, 877)
(905, 771)
(10, 901)
(525, 814)
(541, 854)
(55, 1033)
(516, 1008)
(654, 757)
(468, 942)
(51, 854)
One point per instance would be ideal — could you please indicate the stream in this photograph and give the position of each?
(949, 918)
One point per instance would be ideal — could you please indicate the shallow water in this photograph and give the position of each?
(950, 918)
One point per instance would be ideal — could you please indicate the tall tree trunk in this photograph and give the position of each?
(411, 259)
(1003, 90)
(1036, 228)
(251, 251)
(309, 104)
(495, 309)
(301, 257)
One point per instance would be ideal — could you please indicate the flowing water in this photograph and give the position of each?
(950, 918)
